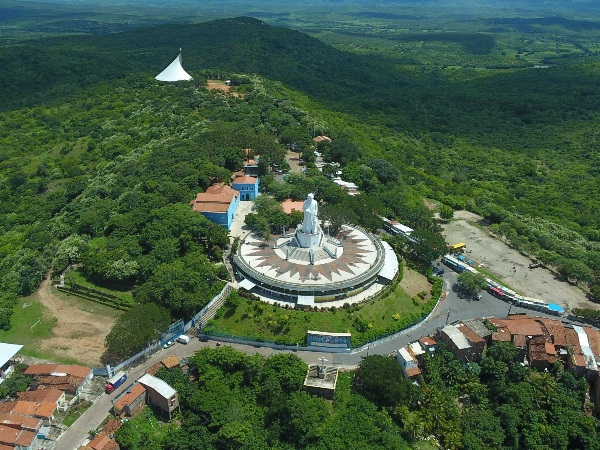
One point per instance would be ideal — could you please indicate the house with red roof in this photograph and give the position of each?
(15, 438)
(69, 378)
(218, 204)
(247, 187)
(131, 402)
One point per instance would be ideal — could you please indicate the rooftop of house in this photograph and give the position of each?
(130, 396)
(170, 361)
(478, 327)
(20, 421)
(217, 198)
(573, 341)
(103, 442)
(428, 341)
(519, 324)
(15, 437)
(290, 205)
(502, 335)
(540, 349)
(49, 369)
(471, 336)
(245, 179)
(554, 328)
(44, 410)
(456, 336)
(321, 139)
(41, 395)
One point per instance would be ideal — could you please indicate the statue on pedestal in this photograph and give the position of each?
(311, 208)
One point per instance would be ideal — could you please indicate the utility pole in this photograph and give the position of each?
(448, 315)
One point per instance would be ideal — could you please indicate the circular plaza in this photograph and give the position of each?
(307, 266)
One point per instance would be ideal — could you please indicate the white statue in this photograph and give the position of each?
(311, 208)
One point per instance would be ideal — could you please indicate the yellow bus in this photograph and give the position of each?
(459, 247)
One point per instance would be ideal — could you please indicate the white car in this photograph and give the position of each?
(169, 344)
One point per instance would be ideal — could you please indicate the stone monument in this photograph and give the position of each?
(309, 233)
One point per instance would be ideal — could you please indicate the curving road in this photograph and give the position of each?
(451, 309)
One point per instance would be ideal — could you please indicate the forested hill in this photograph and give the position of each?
(53, 66)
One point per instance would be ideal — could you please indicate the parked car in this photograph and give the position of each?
(168, 344)
(183, 339)
(203, 338)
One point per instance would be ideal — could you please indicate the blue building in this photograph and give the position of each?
(247, 187)
(218, 204)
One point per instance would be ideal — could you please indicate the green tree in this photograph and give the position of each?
(134, 330)
(471, 283)
(380, 380)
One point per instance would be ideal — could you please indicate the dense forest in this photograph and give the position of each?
(241, 401)
(99, 162)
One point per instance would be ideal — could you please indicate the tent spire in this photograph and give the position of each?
(180, 56)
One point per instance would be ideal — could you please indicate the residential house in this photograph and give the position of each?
(476, 342)
(15, 438)
(218, 204)
(46, 395)
(159, 394)
(457, 343)
(247, 186)
(131, 401)
(541, 353)
(41, 410)
(102, 441)
(408, 364)
(69, 378)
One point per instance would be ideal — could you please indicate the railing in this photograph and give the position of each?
(173, 332)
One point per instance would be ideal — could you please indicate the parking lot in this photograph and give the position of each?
(510, 266)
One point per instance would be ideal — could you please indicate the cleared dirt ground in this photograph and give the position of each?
(80, 328)
(510, 266)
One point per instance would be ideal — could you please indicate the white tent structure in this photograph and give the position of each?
(174, 72)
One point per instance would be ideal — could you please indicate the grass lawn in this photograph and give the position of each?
(254, 319)
(76, 277)
(31, 324)
(76, 412)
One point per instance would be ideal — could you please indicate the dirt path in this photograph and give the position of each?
(78, 333)
(510, 266)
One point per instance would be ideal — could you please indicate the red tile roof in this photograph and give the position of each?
(48, 369)
(20, 421)
(524, 325)
(556, 329)
(134, 393)
(519, 340)
(322, 138)
(573, 340)
(217, 198)
(41, 395)
(501, 336)
(290, 205)
(45, 410)
(14, 437)
(246, 179)
(594, 339)
(170, 361)
(103, 442)
(471, 336)
(428, 340)
(413, 371)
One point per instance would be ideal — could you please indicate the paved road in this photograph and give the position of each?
(451, 309)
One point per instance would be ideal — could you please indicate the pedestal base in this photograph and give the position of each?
(309, 240)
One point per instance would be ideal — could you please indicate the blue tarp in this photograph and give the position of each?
(461, 257)
(556, 308)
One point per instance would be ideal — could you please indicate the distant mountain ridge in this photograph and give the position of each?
(240, 44)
